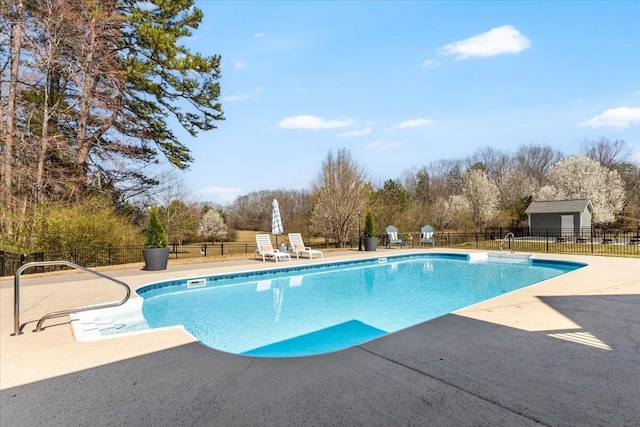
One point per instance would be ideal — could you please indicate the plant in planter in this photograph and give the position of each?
(155, 252)
(370, 239)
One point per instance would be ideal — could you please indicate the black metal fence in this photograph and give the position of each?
(115, 255)
(625, 242)
(602, 241)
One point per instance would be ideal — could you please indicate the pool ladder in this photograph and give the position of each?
(17, 328)
(505, 239)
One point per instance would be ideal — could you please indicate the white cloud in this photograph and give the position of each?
(233, 98)
(348, 134)
(259, 35)
(412, 123)
(620, 117)
(239, 65)
(497, 41)
(431, 63)
(243, 97)
(222, 194)
(313, 122)
(383, 145)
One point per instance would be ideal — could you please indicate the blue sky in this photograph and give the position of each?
(403, 84)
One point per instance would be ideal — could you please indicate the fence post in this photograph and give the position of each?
(592, 236)
(476, 240)
(2, 264)
(39, 256)
(221, 248)
(546, 237)
(448, 241)
(246, 248)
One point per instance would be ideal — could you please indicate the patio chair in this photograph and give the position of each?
(393, 237)
(265, 249)
(427, 235)
(298, 247)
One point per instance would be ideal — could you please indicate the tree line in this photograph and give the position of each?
(487, 188)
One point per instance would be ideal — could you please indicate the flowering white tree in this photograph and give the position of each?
(514, 185)
(482, 195)
(579, 177)
(212, 225)
(448, 209)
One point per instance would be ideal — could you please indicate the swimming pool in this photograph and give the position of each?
(314, 309)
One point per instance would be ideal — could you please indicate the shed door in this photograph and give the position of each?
(567, 223)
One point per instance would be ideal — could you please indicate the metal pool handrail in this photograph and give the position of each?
(17, 329)
(505, 238)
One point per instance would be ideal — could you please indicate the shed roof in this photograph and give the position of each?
(559, 206)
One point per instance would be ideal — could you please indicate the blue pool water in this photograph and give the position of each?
(322, 308)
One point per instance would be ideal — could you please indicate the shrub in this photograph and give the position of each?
(93, 222)
(369, 228)
(156, 237)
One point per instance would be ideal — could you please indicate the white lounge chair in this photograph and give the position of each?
(265, 249)
(427, 235)
(298, 247)
(394, 237)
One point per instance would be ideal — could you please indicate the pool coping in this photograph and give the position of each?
(36, 362)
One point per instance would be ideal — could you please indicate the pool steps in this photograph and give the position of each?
(98, 324)
(499, 257)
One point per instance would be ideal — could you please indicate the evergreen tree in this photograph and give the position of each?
(155, 235)
(163, 78)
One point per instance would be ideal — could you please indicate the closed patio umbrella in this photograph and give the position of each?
(276, 221)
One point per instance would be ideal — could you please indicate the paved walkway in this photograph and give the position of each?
(563, 352)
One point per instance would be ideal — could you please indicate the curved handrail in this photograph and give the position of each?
(505, 238)
(17, 329)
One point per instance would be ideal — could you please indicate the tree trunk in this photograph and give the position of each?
(86, 95)
(10, 132)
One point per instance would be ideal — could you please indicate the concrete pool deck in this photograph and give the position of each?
(564, 352)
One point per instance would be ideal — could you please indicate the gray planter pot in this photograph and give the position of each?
(370, 243)
(155, 259)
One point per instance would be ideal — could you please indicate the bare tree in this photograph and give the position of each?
(338, 193)
(536, 160)
(609, 153)
(494, 162)
(253, 211)
(445, 178)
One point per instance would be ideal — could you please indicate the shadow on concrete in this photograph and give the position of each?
(449, 371)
